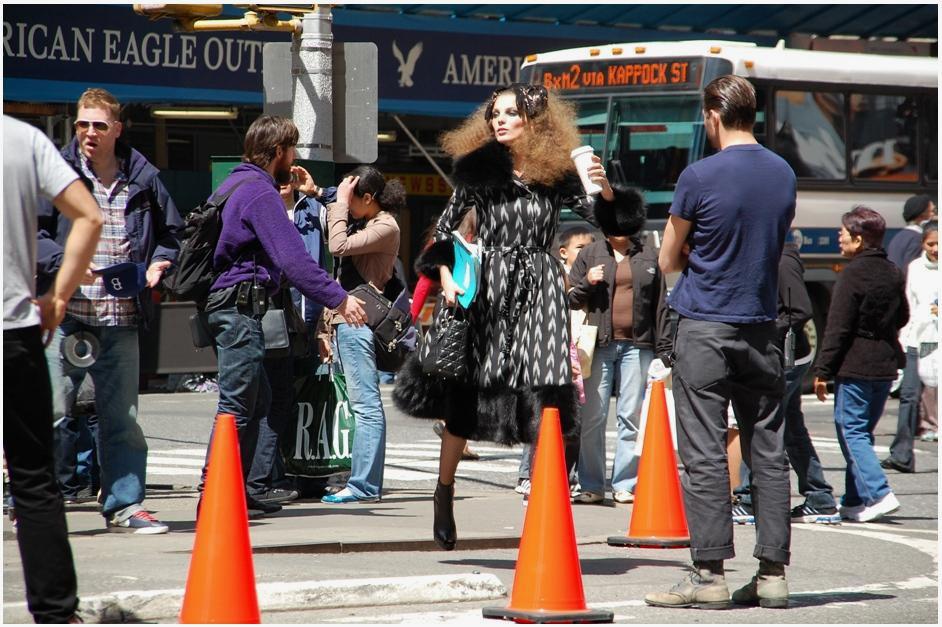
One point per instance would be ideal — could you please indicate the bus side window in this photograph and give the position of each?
(759, 129)
(809, 133)
(930, 111)
(883, 137)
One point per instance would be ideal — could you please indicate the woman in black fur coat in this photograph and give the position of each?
(512, 164)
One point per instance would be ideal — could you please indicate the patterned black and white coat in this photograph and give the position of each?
(518, 348)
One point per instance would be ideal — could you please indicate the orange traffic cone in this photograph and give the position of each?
(548, 580)
(657, 519)
(220, 587)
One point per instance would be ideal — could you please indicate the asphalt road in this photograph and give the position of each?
(883, 572)
(874, 573)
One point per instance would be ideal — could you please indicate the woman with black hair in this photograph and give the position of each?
(512, 165)
(364, 236)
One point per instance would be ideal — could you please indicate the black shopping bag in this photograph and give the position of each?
(319, 439)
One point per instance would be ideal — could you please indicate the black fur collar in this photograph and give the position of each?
(490, 166)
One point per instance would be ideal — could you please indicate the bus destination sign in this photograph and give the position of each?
(616, 74)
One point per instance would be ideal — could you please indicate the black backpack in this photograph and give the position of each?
(193, 273)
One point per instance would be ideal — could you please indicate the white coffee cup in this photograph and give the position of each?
(582, 157)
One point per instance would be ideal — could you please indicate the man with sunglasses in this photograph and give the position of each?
(140, 226)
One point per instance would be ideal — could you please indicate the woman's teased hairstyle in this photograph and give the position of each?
(865, 223)
(543, 149)
(391, 194)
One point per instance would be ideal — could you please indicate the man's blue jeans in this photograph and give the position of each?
(910, 394)
(858, 405)
(74, 433)
(802, 456)
(122, 449)
(243, 386)
(266, 468)
(358, 359)
(623, 363)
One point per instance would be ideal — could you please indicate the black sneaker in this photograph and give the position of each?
(743, 514)
(85, 495)
(891, 464)
(805, 513)
(276, 495)
(261, 506)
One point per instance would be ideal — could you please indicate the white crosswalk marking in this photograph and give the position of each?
(186, 462)
(417, 461)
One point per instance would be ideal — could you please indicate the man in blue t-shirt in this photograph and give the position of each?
(725, 234)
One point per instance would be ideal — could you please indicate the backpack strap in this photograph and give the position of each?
(220, 200)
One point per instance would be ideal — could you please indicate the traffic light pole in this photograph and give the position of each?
(313, 93)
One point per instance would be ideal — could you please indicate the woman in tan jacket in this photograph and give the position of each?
(363, 236)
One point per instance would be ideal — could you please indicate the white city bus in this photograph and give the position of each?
(856, 128)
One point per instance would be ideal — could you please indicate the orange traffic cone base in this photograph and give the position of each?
(544, 617)
(649, 543)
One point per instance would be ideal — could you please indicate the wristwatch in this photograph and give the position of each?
(317, 192)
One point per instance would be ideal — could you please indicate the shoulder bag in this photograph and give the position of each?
(584, 337)
(445, 354)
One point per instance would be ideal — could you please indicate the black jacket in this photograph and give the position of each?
(650, 327)
(868, 308)
(794, 303)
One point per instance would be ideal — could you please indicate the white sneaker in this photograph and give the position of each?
(523, 486)
(624, 496)
(588, 498)
(886, 505)
(851, 512)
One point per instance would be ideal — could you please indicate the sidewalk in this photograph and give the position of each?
(286, 546)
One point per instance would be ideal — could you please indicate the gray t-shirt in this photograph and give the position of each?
(32, 169)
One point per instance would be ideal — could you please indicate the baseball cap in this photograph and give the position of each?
(466, 270)
(123, 280)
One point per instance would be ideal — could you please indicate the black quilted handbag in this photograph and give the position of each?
(446, 345)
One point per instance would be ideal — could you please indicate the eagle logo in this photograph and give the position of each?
(406, 65)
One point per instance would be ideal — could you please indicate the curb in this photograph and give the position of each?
(365, 546)
(155, 605)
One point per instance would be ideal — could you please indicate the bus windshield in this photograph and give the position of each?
(653, 138)
(646, 140)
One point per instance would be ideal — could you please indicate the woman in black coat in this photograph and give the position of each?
(861, 352)
(512, 165)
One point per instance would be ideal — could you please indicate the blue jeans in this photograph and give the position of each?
(358, 359)
(74, 433)
(801, 453)
(858, 405)
(266, 468)
(623, 363)
(243, 386)
(122, 449)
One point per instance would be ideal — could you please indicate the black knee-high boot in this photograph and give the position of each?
(443, 529)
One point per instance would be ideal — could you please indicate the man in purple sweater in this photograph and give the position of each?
(257, 243)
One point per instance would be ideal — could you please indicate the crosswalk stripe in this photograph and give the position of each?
(188, 472)
(415, 461)
(177, 461)
(195, 452)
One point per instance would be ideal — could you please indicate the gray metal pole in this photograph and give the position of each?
(421, 148)
(313, 101)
